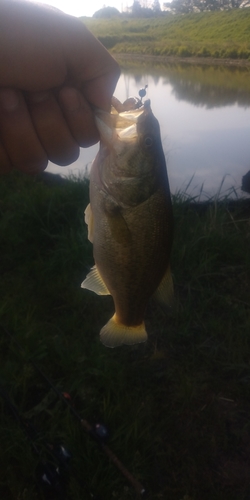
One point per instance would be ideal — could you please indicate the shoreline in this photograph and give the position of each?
(210, 61)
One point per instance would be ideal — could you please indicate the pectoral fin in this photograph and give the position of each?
(165, 291)
(119, 229)
(95, 283)
(89, 219)
(117, 224)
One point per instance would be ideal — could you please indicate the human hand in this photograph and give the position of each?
(52, 71)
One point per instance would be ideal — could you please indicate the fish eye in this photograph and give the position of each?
(148, 141)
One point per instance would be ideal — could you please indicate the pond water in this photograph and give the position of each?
(204, 115)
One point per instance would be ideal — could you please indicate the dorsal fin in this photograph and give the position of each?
(165, 291)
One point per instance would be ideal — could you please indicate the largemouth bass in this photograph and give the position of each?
(130, 220)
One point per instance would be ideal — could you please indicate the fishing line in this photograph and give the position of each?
(98, 432)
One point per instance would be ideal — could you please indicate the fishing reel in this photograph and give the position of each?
(51, 480)
(52, 477)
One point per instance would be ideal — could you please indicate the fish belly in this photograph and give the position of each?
(131, 251)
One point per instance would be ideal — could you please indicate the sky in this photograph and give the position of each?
(87, 7)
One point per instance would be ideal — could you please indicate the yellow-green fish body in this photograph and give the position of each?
(130, 221)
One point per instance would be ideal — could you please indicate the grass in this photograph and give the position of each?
(178, 406)
(223, 34)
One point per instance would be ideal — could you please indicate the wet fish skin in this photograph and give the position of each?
(130, 221)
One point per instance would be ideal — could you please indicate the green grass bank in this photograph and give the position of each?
(224, 34)
(178, 406)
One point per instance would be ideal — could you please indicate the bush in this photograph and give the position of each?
(204, 52)
(232, 54)
(108, 41)
(184, 51)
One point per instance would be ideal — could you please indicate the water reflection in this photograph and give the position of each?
(209, 86)
(204, 114)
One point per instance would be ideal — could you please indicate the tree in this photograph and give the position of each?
(156, 6)
(136, 8)
(106, 13)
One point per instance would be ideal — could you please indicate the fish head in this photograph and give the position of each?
(131, 160)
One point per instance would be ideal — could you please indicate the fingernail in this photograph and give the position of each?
(70, 99)
(9, 99)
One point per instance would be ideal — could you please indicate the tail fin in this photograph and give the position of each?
(114, 333)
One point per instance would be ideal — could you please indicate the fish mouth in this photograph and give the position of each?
(121, 126)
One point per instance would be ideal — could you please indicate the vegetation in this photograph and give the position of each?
(178, 406)
(153, 8)
(209, 34)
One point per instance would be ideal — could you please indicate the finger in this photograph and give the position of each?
(99, 87)
(5, 164)
(79, 116)
(52, 128)
(90, 66)
(18, 135)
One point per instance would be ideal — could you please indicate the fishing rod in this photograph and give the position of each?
(98, 432)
